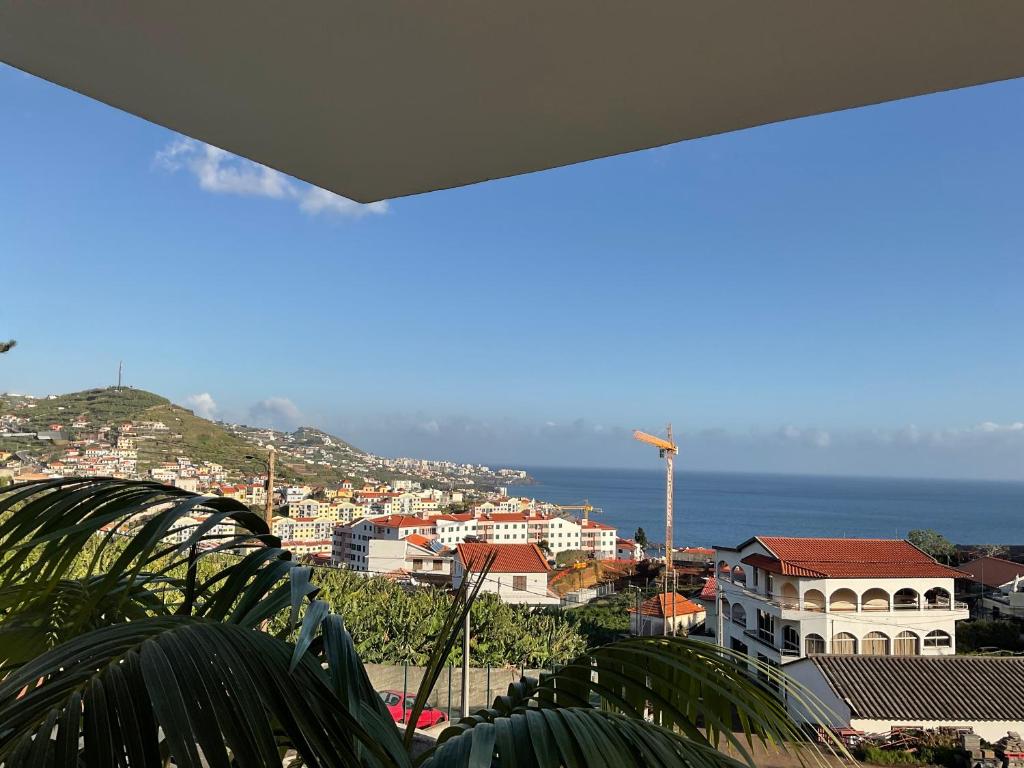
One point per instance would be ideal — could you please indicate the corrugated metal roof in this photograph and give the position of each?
(949, 688)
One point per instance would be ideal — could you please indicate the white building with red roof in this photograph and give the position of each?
(519, 574)
(669, 613)
(780, 599)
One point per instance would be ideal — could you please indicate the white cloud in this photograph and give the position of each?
(316, 200)
(276, 412)
(817, 438)
(221, 172)
(202, 405)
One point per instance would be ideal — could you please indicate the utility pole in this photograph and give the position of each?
(718, 603)
(120, 370)
(465, 667)
(269, 512)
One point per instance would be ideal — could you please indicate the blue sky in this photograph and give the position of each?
(834, 294)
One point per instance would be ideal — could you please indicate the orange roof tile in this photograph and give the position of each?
(401, 521)
(419, 540)
(710, 590)
(670, 605)
(847, 558)
(511, 558)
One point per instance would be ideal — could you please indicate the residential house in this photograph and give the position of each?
(519, 573)
(598, 539)
(670, 613)
(994, 587)
(627, 549)
(879, 694)
(781, 599)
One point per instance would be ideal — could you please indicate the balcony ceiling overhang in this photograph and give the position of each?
(385, 98)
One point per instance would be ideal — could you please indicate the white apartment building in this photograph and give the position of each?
(598, 539)
(519, 574)
(781, 599)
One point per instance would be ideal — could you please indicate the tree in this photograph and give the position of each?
(545, 547)
(7, 346)
(120, 645)
(640, 537)
(933, 543)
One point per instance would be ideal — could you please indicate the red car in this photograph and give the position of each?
(401, 710)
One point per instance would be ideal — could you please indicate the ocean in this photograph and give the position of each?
(719, 508)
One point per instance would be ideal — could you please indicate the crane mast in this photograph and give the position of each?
(667, 450)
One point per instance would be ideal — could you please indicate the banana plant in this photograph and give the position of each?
(134, 632)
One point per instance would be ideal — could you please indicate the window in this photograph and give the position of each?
(437, 565)
(844, 642)
(790, 639)
(417, 564)
(739, 615)
(938, 639)
(519, 583)
(905, 644)
(875, 644)
(814, 644)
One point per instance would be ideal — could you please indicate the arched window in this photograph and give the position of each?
(875, 644)
(739, 615)
(790, 639)
(843, 600)
(814, 644)
(875, 600)
(814, 600)
(789, 596)
(726, 610)
(724, 569)
(905, 600)
(739, 576)
(937, 598)
(938, 639)
(905, 644)
(844, 642)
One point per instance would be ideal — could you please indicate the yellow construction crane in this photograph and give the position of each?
(667, 450)
(586, 508)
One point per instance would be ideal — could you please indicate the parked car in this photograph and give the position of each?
(400, 707)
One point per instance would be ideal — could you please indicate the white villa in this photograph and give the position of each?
(781, 599)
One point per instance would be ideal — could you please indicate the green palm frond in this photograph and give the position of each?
(177, 687)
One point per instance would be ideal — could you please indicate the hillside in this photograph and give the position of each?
(44, 427)
(186, 434)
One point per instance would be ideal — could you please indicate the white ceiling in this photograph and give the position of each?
(376, 99)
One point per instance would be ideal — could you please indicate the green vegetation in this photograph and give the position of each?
(972, 636)
(392, 625)
(640, 537)
(570, 556)
(933, 543)
(149, 657)
(603, 620)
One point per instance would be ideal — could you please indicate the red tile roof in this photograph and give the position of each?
(401, 521)
(512, 558)
(670, 605)
(710, 591)
(698, 551)
(418, 540)
(595, 524)
(993, 572)
(625, 544)
(847, 558)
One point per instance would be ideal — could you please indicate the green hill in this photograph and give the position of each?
(186, 435)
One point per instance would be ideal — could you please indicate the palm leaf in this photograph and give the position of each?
(184, 687)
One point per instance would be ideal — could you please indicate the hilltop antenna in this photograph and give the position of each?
(120, 370)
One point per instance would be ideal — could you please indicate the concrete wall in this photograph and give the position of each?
(391, 677)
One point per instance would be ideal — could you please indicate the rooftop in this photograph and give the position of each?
(921, 688)
(511, 558)
(846, 558)
(993, 572)
(671, 605)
